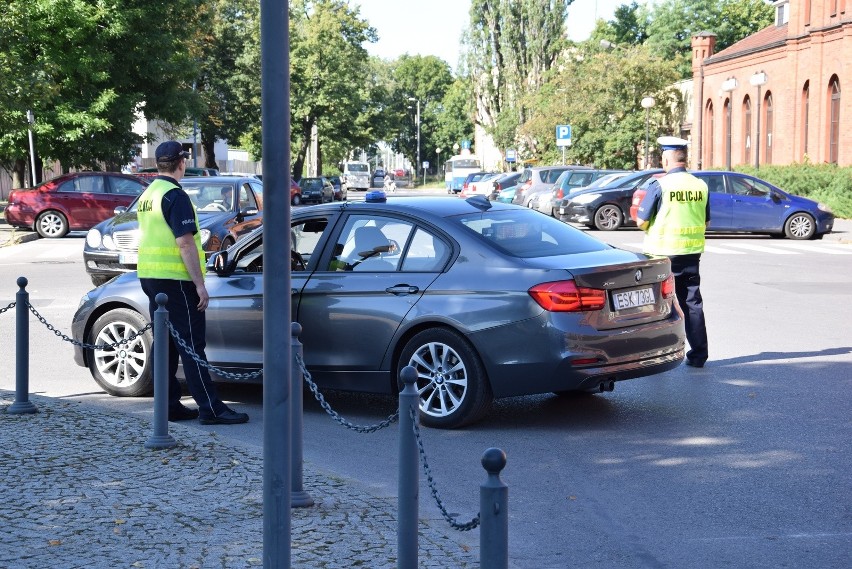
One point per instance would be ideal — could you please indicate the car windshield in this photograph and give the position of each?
(357, 168)
(526, 233)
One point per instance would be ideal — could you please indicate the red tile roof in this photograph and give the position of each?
(766, 36)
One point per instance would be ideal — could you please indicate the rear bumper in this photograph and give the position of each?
(16, 216)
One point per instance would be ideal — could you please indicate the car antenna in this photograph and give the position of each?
(479, 202)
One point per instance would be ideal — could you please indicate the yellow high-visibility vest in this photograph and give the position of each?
(678, 227)
(159, 254)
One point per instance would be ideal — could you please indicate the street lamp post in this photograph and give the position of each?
(758, 80)
(418, 139)
(438, 165)
(727, 86)
(31, 121)
(647, 103)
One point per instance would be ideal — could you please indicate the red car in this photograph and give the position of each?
(295, 192)
(71, 202)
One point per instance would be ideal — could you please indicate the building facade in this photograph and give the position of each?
(776, 97)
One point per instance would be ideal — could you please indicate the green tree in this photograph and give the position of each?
(510, 46)
(629, 26)
(86, 72)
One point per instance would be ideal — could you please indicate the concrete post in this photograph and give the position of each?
(22, 402)
(409, 481)
(160, 438)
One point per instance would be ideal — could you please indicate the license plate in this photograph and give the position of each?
(633, 298)
(128, 258)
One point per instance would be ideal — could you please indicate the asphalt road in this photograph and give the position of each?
(744, 463)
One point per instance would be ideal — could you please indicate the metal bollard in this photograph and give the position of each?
(298, 497)
(409, 468)
(161, 438)
(494, 513)
(22, 402)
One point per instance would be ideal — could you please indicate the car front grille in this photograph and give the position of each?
(126, 240)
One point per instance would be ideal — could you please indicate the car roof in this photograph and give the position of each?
(424, 206)
(200, 180)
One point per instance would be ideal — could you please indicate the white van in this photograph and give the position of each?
(356, 175)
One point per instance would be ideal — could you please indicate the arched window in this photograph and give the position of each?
(767, 139)
(727, 131)
(747, 140)
(806, 103)
(709, 129)
(834, 117)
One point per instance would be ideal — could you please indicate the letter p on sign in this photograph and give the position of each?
(563, 135)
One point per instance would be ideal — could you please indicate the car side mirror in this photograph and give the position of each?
(220, 264)
(119, 210)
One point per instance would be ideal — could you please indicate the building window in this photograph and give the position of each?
(769, 124)
(709, 129)
(806, 103)
(834, 114)
(833, 7)
(727, 128)
(807, 12)
(747, 130)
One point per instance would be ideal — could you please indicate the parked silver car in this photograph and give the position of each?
(538, 179)
(484, 299)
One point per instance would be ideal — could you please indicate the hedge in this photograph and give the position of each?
(825, 183)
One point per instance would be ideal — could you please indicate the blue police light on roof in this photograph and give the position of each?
(375, 196)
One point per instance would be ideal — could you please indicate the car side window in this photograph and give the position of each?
(426, 253)
(715, 184)
(746, 187)
(84, 184)
(126, 187)
(370, 244)
(304, 239)
(246, 198)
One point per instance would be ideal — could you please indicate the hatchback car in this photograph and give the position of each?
(442, 284)
(295, 192)
(606, 207)
(567, 181)
(71, 202)
(316, 190)
(112, 246)
(482, 185)
(340, 192)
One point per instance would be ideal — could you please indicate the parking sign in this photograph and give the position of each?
(563, 135)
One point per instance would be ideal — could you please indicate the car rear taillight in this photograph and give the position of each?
(559, 194)
(566, 296)
(667, 289)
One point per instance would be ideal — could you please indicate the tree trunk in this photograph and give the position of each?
(207, 145)
(299, 164)
(19, 169)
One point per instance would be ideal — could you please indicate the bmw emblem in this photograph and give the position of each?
(638, 276)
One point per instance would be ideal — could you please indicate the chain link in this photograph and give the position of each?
(472, 524)
(11, 305)
(334, 414)
(67, 338)
(204, 363)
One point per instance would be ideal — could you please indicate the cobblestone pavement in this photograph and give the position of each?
(78, 489)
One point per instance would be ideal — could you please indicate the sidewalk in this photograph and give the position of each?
(80, 490)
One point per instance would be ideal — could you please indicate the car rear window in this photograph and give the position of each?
(526, 233)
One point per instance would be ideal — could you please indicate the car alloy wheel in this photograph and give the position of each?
(800, 226)
(125, 370)
(608, 218)
(451, 382)
(51, 224)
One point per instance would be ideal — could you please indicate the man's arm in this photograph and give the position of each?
(189, 254)
(648, 206)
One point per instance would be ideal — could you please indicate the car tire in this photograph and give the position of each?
(51, 224)
(608, 217)
(800, 226)
(451, 381)
(125, 371)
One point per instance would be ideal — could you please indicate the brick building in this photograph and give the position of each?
(775, 96)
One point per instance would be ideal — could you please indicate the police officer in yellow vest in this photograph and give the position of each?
(171, 261)
(674, 215)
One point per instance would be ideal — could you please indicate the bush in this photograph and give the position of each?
(825, 183)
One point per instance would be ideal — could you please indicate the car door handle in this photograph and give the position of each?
(402, 289)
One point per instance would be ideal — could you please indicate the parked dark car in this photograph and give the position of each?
(112, 246)
(607, 207)
(340, 192)
(316, 190)
(71, 202)
(446, 285)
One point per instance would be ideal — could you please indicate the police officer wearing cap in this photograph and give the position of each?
(674, 215)
(171, 261)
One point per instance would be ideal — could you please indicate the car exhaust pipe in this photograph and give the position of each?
(606, 386)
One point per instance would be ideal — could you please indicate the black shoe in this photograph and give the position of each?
(693, 363)
(227, 417)
(181, 413)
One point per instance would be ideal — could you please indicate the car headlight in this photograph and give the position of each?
(108, 242)
(205, 236)
(93, 238)
(824, 207)
(585, 198)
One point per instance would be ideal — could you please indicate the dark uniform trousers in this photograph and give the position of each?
(688, 291)
(190, 326)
